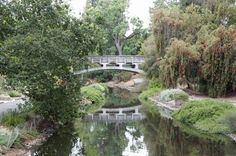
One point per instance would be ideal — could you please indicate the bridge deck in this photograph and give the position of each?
(117, 59)
(104, 61)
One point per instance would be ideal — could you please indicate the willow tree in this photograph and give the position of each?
(218, 60)
(110, 16)
(166, 24)
(180, 64)
(151, 64)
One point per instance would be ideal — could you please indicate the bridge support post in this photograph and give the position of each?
(104, 115)
(120, 115)
(121, 65)
(104, 65)
(136, 65)
(136, 115)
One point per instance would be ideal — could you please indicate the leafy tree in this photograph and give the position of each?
(219, 60)
(6, 21)
(110, 16)
(197, 51)
(40, 58)
(151, 63)
(180, 63)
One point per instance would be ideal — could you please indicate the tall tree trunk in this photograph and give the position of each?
(119, 46)
(119, 49)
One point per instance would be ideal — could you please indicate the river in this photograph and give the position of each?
(152, 136)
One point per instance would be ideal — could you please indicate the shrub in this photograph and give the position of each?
(94, 95)
(13, 118)
(173, 94)
(14, 93)
(205, 115)
(154, 83)
(8, 137)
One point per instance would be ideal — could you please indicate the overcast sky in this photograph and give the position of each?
(138, 8)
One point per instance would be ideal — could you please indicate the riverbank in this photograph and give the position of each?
(31, 130)
(213, 116)
(135, 83)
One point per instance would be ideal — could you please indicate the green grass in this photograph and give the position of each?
(14, 93)
(152, 90)
(13, 118)
(205, 115)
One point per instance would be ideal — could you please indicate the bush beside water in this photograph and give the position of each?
(173, 94)
(93, 96)
(153, 89)
(14, 93)
(205, 115)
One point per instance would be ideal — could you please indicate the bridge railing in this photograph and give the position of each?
(116, 59)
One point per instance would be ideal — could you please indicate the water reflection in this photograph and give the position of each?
(114, 139)
(118, 97)
(154, 136)
(64, 143)
(164, 138)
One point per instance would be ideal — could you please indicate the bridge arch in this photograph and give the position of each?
(119, 62)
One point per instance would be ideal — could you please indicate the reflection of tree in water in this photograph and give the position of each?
(60, 144)
(103, 139)
(164, 139)
(121, 97)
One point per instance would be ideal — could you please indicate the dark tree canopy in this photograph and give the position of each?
(40, 54)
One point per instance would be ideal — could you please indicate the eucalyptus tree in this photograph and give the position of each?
(47, 46)
(110, 16)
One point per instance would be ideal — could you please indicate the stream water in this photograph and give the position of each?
(152, 136)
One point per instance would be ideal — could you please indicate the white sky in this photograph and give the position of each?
(138, 8)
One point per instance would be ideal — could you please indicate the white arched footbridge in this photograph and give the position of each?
(112, 62)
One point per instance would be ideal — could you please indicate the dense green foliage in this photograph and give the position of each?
(110, 17)
(39, 55)
(109, 75)
(152, 90)
(93, 97)
(200, 52)
(205, 115)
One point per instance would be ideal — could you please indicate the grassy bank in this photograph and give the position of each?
(153, 89)
(210, 116)
(18, 129)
